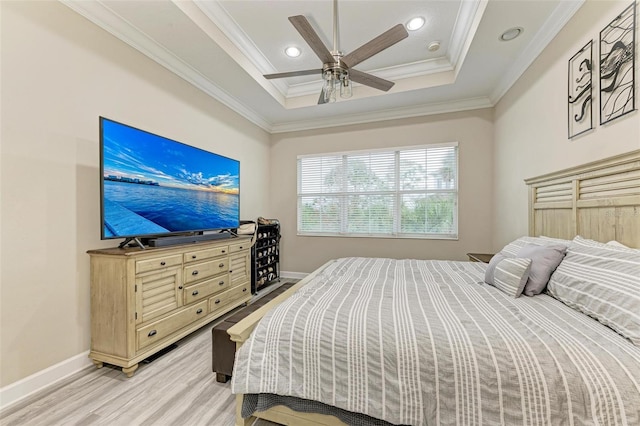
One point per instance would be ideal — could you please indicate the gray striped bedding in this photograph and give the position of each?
(428, 343)
(603, 281)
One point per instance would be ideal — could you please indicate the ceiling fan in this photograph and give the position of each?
(337, 70)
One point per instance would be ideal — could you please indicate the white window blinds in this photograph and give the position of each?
(406, 192)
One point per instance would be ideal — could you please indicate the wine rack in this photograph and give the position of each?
(266, 256)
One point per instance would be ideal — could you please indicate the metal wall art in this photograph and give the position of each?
(617, 66)
(580, 93)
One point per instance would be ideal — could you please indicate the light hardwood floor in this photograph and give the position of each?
(178, 388)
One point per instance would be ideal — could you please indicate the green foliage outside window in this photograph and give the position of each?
(360, 196)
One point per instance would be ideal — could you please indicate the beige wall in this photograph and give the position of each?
(59, 73)
(474, 132)
(531, 122)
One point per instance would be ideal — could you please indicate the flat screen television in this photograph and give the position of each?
(153, 187)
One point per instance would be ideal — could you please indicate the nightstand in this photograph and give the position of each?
(480, 257)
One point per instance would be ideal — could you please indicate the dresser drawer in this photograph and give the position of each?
(206, 288)
(231, 296)
(196, 255)
(158, 263)
(163, 328)
(203, 270)
(234, 248)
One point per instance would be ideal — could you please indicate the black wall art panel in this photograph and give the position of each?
(617, 66)
(580, 101)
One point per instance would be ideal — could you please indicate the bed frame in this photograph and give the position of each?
(279, 414)
(599, 201)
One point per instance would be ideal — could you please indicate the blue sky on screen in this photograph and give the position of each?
(133, 153)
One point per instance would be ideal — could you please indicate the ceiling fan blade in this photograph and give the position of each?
(378, 44)
(311, 37)
(293, 74)
(370, 80)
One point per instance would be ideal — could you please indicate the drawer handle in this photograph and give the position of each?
(194, 273)
(195, 293)
(241, 247)
(217, 301)
(152, 333)
(224, 251)
(244, 289)
(180, 288)
(230, 271)
(194, 257)
(199, 311)
(221, 283)
(221, 265)
(163, 263)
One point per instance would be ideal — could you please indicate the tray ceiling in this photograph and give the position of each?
(224, 47)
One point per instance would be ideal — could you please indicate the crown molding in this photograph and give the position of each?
(230, 28)
(383, 115)
(101, 15)
(558, 19)
(465, 28)
(466, 23)
(221, 18)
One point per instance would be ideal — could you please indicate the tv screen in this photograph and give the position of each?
(153, 186)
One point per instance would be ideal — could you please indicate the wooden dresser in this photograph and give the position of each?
(144, 300)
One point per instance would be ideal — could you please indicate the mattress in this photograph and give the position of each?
(427, 342)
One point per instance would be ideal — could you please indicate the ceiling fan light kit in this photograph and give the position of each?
(337, 71)
(336, 79)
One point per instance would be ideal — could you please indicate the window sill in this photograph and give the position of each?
(383, 236)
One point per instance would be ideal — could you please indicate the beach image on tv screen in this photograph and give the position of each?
(153, 185)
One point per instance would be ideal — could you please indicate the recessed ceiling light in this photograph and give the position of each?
(292, 52)
(511, 33)
(415, 23)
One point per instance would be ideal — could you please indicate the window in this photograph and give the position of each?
(404, 193)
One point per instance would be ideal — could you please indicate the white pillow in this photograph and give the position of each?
(602, 281)
(555, 240)
(616, 244)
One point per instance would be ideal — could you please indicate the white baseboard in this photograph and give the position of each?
(18, 391)
(296, 275)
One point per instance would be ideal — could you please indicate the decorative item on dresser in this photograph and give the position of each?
(266, 254)
(145, 300)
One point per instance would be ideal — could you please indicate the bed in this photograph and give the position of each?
(384, 341)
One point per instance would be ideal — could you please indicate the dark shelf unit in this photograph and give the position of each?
(265, 257)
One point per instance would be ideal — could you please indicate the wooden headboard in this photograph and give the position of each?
(599, 201)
